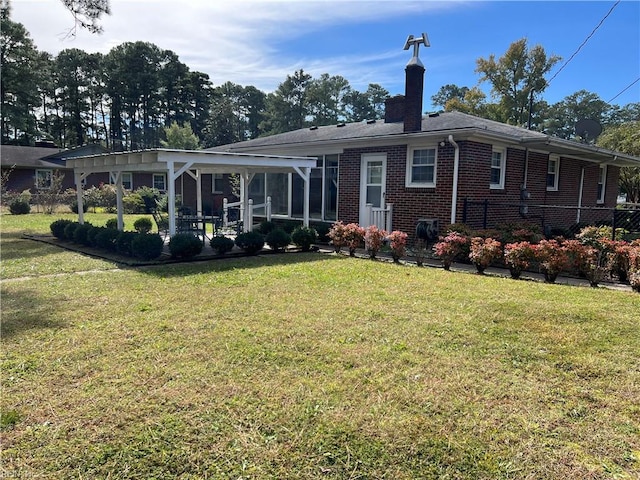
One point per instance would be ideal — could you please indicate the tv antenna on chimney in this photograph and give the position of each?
(411, 40)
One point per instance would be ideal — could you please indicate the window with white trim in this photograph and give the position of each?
(602, 183)
(422, 167)
(160, 181)
(218, 183)
(127, 179)
(498, 168)
(44, 179)
(553, 173)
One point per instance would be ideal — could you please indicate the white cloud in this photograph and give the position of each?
(247, 42)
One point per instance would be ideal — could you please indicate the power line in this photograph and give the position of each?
(625, 89)
(585, 41)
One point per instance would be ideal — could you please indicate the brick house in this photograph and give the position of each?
(32, 168)
(440, 169)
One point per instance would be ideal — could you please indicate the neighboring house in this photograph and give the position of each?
(443, 168)
(32, 168)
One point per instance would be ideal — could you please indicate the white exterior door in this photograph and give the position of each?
(373, 174)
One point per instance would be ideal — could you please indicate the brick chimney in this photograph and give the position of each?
(407, 108)
(413, 97)
(394, 109)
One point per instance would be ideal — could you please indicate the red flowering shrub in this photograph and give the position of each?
(337, 236)
(552, 257)
(484, 251)
(517, 257)
(450, 247)
(398, 244)
(373, 239)
(354, 236)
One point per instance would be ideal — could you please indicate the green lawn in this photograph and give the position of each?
(309, 366)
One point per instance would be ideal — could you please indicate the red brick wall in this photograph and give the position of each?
(411, 204)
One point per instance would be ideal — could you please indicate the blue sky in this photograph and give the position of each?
(260, 42)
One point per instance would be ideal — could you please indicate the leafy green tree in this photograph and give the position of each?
(625, 138)
(368, 105)
(19, 94)
(517, 78)
(73, 79)
(288, 107)
(448, 92)
(561, 117)
(474, 102)
(236, 113)
(180, 137)
(87, 13)
(326, 97)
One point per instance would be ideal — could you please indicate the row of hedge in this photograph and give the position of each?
(592, 255)
(143, 245)
(147, 246)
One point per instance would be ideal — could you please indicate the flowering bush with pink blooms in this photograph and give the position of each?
(450, 247)
(354, 237)
(552, 258)
(337, 236)
(634, 265)
(484, 251)
(373, 240)
(517, 257)
(398, 244)
(618, 259)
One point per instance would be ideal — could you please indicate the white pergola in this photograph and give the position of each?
(194, 163)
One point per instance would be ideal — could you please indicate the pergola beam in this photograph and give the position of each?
(175, 163)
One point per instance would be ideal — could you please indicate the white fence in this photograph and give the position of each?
(380, 217)
(246, 213)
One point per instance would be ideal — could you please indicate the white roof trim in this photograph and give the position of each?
(207, 161)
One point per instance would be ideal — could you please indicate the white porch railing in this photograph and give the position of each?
(380, 217)
(246, 212)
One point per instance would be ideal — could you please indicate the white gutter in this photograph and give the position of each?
(454, 194)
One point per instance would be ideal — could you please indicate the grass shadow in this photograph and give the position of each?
(25, 309)
(224, 264)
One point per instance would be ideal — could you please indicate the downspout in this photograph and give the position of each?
(580, 194)
(456, 164)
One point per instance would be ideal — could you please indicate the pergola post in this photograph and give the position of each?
(119, 196)
(78, 176)
(171, 200)
(199, 193)
(305, 173)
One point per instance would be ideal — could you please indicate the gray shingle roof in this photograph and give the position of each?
(26, 157)
(443, 122)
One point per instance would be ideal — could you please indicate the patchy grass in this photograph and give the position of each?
(310, 365)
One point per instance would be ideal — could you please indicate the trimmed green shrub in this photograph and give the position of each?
(106, 239)
(250, 242)
(92, 234)
(69, 230)
(221, 244)
(74, 206)
(304, 237)
(19, 207)
(147, 246)
(124, 241)
(322, 229)
(143, 225)
(184, 245)
(266, 227)
(112, 223)
(80, 234)
(133, 203)
(278, 239)
(57, 227)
